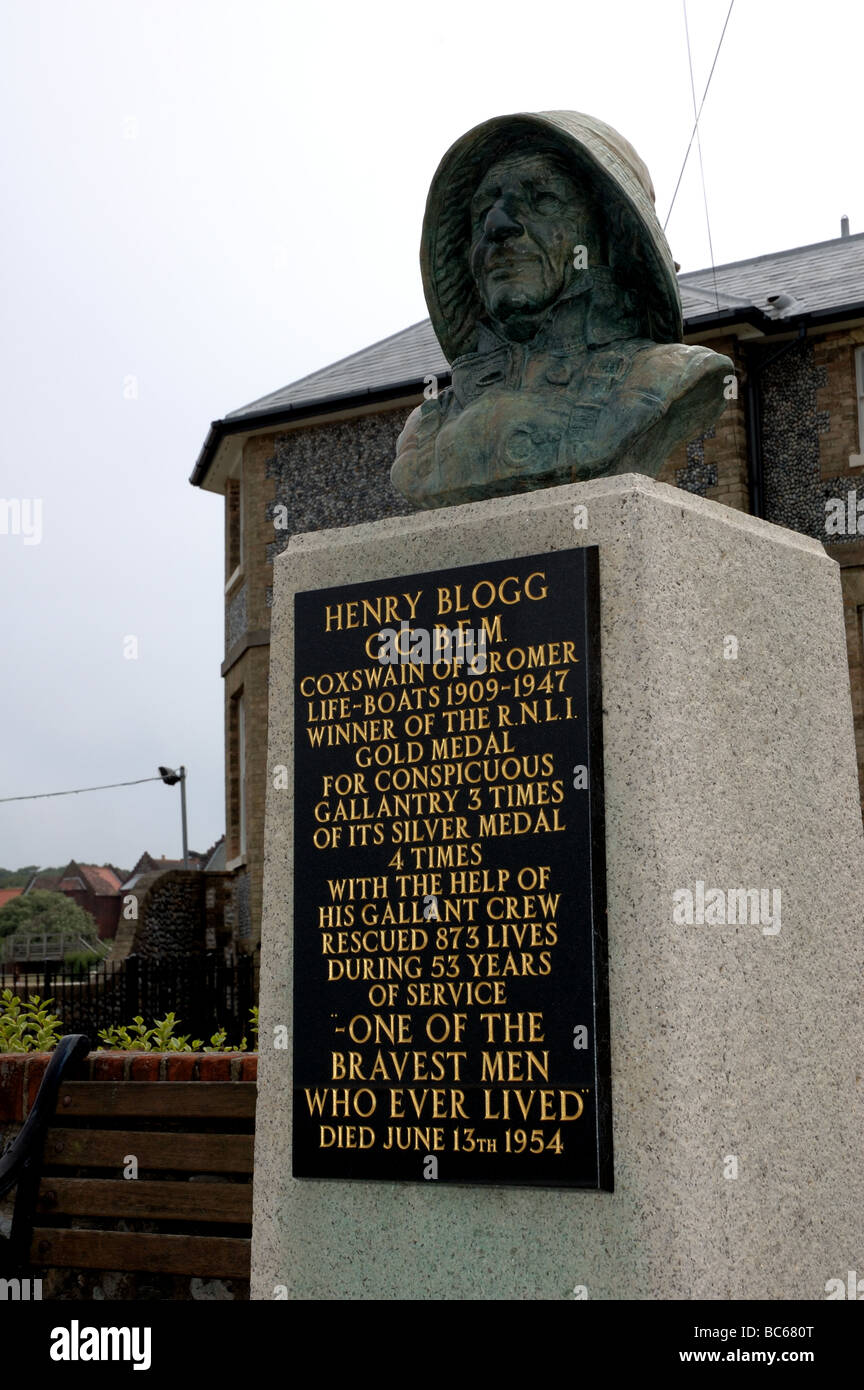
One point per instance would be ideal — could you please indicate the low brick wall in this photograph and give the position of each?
(21, 1073)
(20, 1078)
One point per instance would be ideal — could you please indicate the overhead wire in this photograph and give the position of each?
(698, 113)
(76, 791)
(699, 150)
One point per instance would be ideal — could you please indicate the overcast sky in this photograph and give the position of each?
(217, 198)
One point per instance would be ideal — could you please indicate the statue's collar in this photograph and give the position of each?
(593, 312)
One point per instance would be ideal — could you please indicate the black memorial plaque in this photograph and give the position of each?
(450, 996)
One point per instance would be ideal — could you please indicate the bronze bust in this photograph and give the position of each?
(552, 291)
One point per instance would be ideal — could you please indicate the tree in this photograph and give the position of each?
(41, 911)
(17, 878)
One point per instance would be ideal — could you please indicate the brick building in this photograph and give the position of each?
(95, 889)
(148, 865)
(317, 454)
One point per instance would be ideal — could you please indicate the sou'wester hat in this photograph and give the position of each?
(639, 255)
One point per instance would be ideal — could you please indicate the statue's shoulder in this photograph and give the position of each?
(685, 389)
(424, 420)
(408, 435)
(674, 370)
(413, 466)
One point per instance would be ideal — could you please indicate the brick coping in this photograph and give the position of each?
(21, 1072)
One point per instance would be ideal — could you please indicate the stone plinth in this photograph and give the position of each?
(729, 763)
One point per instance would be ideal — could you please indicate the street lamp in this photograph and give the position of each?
(171, 778)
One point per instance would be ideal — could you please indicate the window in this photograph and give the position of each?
(857, 460)
(233, 529)
(241, 774)
(237, 778)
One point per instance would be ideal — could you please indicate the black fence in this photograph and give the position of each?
(205, 993)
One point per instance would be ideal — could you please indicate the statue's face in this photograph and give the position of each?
(527, 216)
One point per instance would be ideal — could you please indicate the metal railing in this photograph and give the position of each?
(205, 993)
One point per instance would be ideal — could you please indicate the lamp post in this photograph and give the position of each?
(171, 778)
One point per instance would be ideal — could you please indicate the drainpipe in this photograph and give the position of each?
(753, 425)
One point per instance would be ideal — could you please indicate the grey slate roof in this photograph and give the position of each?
(406, 357)
(827, 275)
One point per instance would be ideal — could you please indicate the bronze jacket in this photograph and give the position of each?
(560, 408)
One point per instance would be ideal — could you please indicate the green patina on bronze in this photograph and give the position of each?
(552, 291)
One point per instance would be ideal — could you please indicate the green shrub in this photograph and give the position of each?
(80, 961)
(31, 1028)
(161, 1038)
(27, 1027)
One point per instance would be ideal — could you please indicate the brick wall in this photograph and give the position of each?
(21, 1074)
(104, 908)
(851, 559)
(249, 676)
(332, 474)
(715, 464)
(232, 527)
(259, 493)
(834, 361)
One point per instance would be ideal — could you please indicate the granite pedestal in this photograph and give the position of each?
(729, 763)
